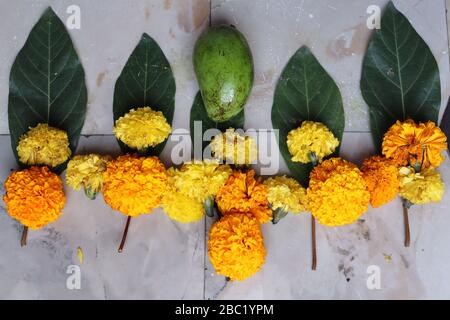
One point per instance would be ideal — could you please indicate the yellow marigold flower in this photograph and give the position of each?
(180, 207)
(142, 128)
(201, 179)
(236, 246)
(243, 193)
(408, 143)
(381, 176)
(337, 192)
(177, 203)
(309, 140)
(44, 145)
(34, 196)
(423, 187)
(134, 185)
(286, 193)
(87, 171)
(234, 148)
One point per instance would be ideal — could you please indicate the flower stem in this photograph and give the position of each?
(314, 162)
(313, 158)
(406, 223)
(23, 240)
(125, 232)
(313, 238)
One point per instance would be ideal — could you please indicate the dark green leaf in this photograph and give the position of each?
(305, 91)
(400, 77)
(145, 81)
(198, 113)
(278, 214)
(47, 84)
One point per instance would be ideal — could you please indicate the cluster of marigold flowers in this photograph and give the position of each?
(415, 151)
(338, 192)
(35, 196)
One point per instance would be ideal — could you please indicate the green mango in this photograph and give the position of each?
(223, 65)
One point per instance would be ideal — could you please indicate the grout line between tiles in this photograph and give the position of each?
(87, 135)
(204, 218)
(446, 23)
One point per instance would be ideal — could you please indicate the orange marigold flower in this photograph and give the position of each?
(243, 193)
(408, 143)
(381, 176)
(134, 185)
(236, 246)
(337, 192)
(34, 196)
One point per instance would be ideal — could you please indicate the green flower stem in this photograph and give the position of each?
(313, 158)
(90, 193)
(278, 214)
(209, 206)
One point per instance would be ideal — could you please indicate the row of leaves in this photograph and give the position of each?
(400, 80)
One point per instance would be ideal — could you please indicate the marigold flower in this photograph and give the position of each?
(44, 145)
(87, 171)
(201, 179)
(236, 246)
(408, 143)
(142, 128)
(234, 148)
(422, 187)
(134, 185)
(286, 193)
(180, 207)
(337, 192)
(34, 196)
(381, 176)
(243, 193)
(309, 140)
(177, 203)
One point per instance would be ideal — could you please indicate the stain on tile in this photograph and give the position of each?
(147, 13)
(192, 15)
(363, 230)
(172, 33)
(183, 17)
(265, 76)
(347, 271)
(350, 42)
(167, 4)
(56, 245)
(387, 257)
(200, 10)
(405, 261)
(342, 251)
(100, 77)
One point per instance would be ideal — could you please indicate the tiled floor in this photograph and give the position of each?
(164, 259)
